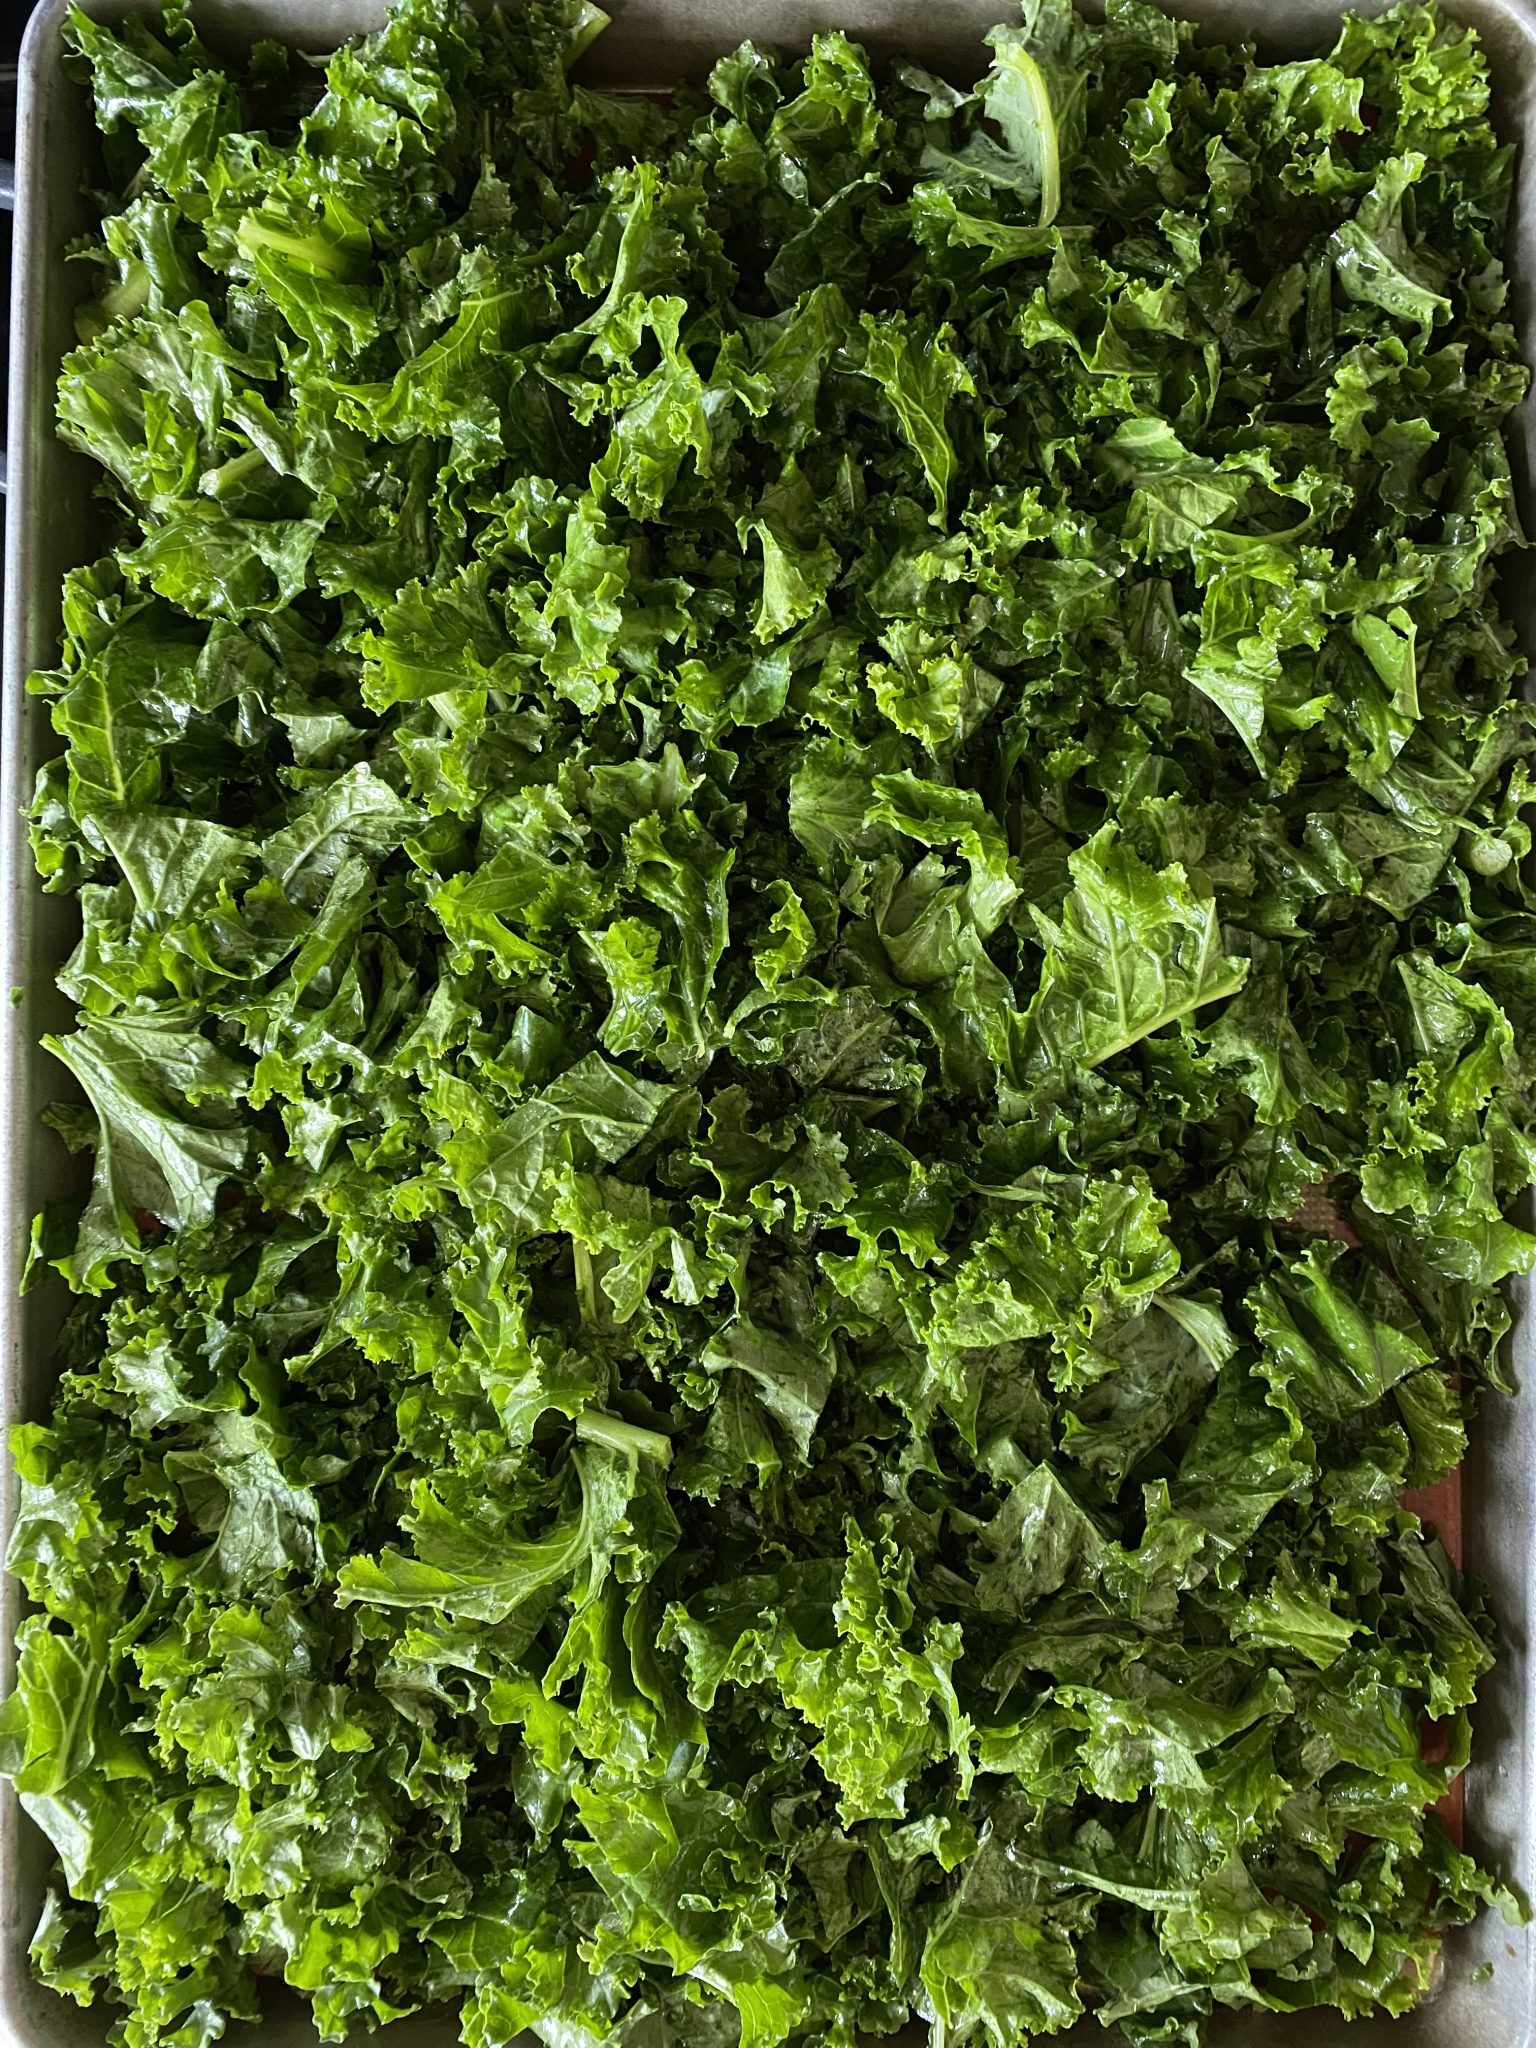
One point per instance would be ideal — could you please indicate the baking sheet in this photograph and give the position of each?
(52, 524)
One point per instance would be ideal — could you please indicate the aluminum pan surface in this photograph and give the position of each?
(51, 525)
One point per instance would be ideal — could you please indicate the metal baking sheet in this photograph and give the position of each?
(52, 523)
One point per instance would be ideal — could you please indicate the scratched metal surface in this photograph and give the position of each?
(1485, 1513)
